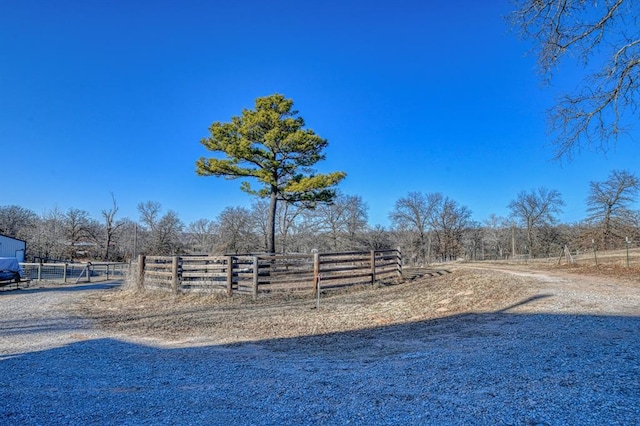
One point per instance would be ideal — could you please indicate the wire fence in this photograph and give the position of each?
(74, 272)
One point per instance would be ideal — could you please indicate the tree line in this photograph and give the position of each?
(428, 227)
(431, 227)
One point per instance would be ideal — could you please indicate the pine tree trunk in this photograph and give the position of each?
(271, 224)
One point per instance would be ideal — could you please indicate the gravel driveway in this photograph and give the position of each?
(518, 366)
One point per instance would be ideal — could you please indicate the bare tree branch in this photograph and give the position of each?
(606, 36)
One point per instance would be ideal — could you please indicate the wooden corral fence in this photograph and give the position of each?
(254, 274)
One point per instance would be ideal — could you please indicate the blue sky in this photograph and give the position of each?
(101, 97)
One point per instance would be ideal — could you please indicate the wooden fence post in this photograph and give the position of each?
(627, 241)
(399, 262)
(229, 275)
(256, 266)
(174, 274)
(140, 277)
(64, 273)
(316, 273)
(373, 267)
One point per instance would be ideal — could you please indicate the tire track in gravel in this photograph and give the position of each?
(36, 318)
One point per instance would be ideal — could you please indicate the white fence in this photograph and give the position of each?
(74, 272)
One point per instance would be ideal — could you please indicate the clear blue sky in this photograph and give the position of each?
(102, 97)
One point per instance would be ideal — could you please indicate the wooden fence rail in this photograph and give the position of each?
(255, 274)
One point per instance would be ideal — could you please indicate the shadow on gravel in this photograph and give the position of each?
(487, 369)
(526, 301)
(35, 288)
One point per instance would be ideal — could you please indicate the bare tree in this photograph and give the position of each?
(126, 243)
(47, 240)
(342, 221)
(377, 238)
(149, 212)
(162, 234)
(605, 36)
(634, 226)
(260, 219)
(111, 226)
(473, 241)
(357, 219)
(497, 236)
(167, 236)
(449, 221)
(550, 240)
(236, 231)
(308, 233)
(411, 217)
(15, 221)
(203, 235)
(286, 219)
(609, 203)
(76, 225)
(535, 209)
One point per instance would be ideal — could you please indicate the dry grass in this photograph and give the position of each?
(217, 318)
(613, 270)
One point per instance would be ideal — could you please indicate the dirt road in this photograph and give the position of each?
(571, 293)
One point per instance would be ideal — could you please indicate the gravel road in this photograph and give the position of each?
(540, 362)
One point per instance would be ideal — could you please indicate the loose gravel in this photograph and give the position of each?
(522, 365)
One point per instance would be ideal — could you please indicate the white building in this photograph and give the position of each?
(12, 247)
